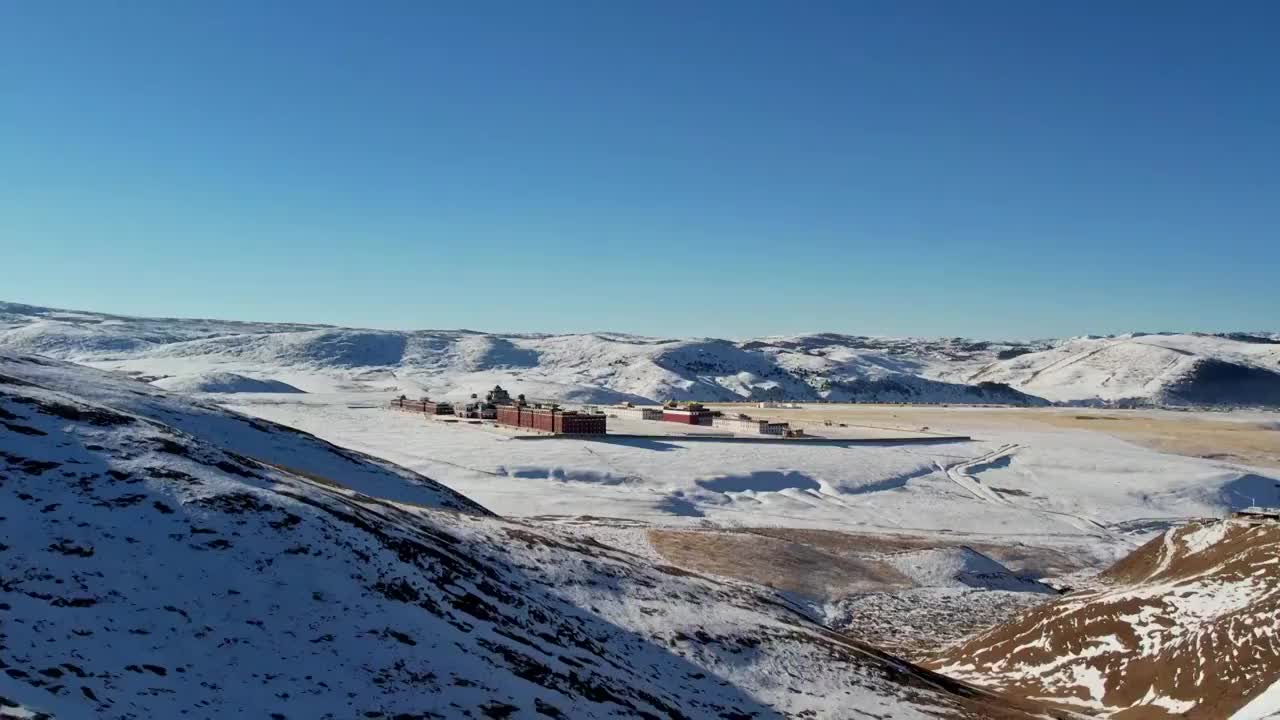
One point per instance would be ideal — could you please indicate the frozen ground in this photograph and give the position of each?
(1089, 492)
(822, 522)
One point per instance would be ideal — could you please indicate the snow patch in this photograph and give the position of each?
(957, 567)
(1266, 706)
(222, 382)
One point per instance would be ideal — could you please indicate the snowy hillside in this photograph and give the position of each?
(222, 382)
(605, 367)
(961, 567)
(60, 333)
(1186, 626)
(164, 558)
(1164, 369)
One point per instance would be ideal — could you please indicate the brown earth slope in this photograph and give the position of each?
(1188, 627)
(828, 564)
(855, 580)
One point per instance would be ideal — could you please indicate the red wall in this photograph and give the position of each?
(552, 422)
(701, 418)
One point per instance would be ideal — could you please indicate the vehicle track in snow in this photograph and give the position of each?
(1064, 362)
(959, 474)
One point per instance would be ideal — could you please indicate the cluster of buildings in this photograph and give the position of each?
(751, 426)
(636, 413)
(484, 409)
(543, 417)
(498, 405)
(473, 409)
(696, 414)
(1256, 515)
(423, 405)
(687, 414)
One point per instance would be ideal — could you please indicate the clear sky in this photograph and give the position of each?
(671, 168)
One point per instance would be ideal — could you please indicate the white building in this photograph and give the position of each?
(1257, 514)
(636, 413)
(749, 425)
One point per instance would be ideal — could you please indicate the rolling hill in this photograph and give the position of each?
(222, 382)
(1189, 369)
(1184, 627)
(1162, 369)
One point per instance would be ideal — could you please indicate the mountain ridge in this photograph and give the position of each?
(1229, 369)
(1182, 627)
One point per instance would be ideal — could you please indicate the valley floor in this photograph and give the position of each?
(1040, 480)
(1047, 497)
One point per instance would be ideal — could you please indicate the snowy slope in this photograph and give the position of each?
(163, 558)
(1164, 369)
(249, 437)
(70, 333)
(607, 367)
(1186, 626)
(958, 567)
(222, 382)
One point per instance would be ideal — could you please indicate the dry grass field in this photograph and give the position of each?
(1250, 439)
(776, 562)
(828, 564)
(863, 595)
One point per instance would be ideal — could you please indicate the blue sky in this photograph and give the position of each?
(713, 168)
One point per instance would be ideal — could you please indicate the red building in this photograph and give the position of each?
(551, 420)
(430, 407)
(691, 414)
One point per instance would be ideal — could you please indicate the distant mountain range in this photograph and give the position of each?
(1166, 369)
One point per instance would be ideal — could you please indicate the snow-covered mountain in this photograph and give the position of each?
(1186, 626)
(1165, 369)
(165, 558)
(608, 367)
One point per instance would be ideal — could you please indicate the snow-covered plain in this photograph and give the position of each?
(1093, 495)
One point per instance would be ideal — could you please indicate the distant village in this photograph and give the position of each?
(498, 406)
